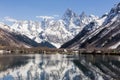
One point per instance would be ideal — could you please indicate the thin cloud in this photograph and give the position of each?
(45, 17)
(7, 18)
(56, 15)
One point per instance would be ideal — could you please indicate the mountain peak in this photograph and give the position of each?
(113, 14)
(115, 9)
(69, 10)
(83, 15)
(69, 14)
(118, 7)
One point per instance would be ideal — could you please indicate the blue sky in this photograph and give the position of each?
(29, 9)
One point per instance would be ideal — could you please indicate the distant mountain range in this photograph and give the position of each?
(104, 35)
(76, 31)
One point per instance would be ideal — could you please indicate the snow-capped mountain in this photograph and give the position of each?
(29, 28)
(74, 23)
(10, 39)
(104, 34)
(53, 31)
(56, 33)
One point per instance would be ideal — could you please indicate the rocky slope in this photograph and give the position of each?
(6, 39)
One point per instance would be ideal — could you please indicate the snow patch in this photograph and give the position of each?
(115, 46)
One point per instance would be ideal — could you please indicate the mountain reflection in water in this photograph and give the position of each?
(59, 67)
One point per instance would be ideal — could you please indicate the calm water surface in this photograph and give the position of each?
(59, 67)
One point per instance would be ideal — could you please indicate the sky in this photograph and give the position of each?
(29, 9)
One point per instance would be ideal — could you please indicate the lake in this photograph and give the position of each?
(59, 67)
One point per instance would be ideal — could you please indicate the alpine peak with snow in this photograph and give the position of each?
(101, 33)
(50, 30)
(74, 23)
